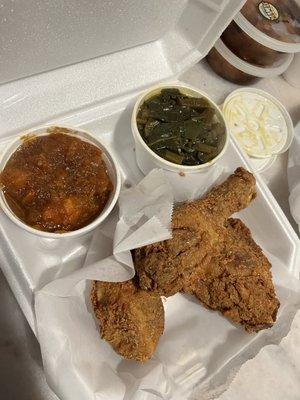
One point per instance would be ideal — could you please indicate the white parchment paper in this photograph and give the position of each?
(197, 344)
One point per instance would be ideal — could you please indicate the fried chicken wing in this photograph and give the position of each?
(131, 320)
(238, 282)
(198, 234)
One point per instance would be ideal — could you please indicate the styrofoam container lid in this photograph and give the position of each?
(244, 66)
(273, 24)
(259, 122)
(124, 61)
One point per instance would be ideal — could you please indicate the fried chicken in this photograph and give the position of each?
(131, 320)
(238, 282)
(198, 235)
(210, 256)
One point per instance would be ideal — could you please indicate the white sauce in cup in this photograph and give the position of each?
(259, 123)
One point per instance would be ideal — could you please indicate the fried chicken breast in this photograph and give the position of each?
(131, 320)
(238, 282)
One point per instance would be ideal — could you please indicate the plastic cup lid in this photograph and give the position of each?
(250, 69)
(259, 122)
(274, 24)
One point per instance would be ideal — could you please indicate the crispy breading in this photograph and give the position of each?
(198, 234)
(131, 320)
(238, 281)
(209, 256)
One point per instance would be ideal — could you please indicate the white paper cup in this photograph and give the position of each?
(285, 144)
(148, 159)
(112, 169)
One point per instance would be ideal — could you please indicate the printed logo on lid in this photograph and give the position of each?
(268, 11)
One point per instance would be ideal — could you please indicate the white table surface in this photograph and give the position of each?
(21, 372)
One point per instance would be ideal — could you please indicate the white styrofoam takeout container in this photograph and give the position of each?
(146, 158)
(98, 95)
(130, 59)
(112, 169)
